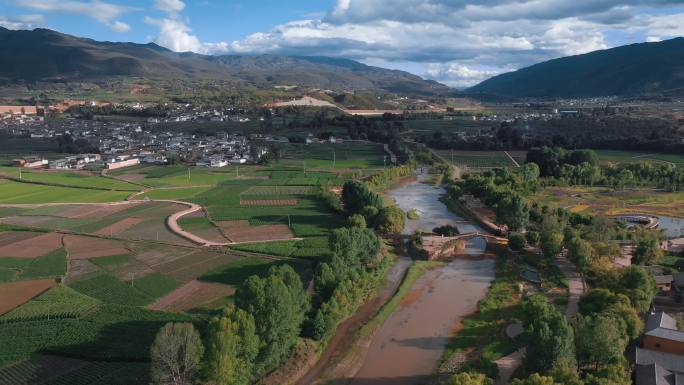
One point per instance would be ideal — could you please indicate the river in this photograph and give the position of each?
(408, 346)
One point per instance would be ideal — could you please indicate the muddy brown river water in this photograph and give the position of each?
(408, 346)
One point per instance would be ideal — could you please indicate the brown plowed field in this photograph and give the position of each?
(269, 202)
(192, 295)
(241, 231)
(194, 265)
(119, 227)
(33, 247)
(80, 267)
(15, 294)
(80, 247)
(95, 211)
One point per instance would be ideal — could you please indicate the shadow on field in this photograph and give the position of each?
(237, 273)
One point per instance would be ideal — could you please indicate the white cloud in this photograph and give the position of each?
(22, 21)
(176, 35)
(460, 75)
(169, 6)
(473, 39)
(103, 12)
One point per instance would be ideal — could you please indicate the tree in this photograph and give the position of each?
(530, 173)
(356, 195)
(614, 374)
(598, 300)
(469, 379)
(581, 253)
(390, 220)
(514, 212)
(532, 238)
(357, 220)
(599, 341)
(647, 249)
(535, 379)
(551, 236)
(176, 354)
(279, 305)
(232, 347)
(549, 337)
(639, 285)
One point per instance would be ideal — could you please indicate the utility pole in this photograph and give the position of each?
(334, 159)
(384, 162)
(289, 224)
(20, 176)
(188, 175)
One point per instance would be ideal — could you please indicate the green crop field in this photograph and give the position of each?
(70, 179)
(333, 156)
(635, 157)
(108, 289)
(156, 285)
(458, 125)
(174, 193)
(94, 373)
(112, 332)
(112, 260)
(58, 302)
(485, 159)
(27, 193)
(49, 266)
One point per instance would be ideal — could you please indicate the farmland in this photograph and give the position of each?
(68, 179)
(611, 156)
(25, 193)
(89, 272)
(481, 159)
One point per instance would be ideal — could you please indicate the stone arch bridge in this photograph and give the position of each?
(440, 247)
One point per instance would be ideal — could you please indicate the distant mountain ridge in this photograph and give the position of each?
(628, 70)
(44, 55)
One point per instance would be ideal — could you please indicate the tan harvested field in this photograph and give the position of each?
(191, 295)
(15, 294)
(269, 202)
(132, 269)
(33, 247)
(80, 247)
(9, 237)
(241, 231)
(95, 211)
(119, 227)
(80, 267)
(131, 177)
(195, 265)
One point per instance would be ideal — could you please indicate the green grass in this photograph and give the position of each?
(51, 265)
(673, 261)
(111, 260)
(113, 333)
(108, 289)
(27, 193)
(58, 302)
(156, 285)
(70, 179)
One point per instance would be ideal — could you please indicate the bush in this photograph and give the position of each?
(412, 214)
(516, 242)
(446, 230)
(533, 238)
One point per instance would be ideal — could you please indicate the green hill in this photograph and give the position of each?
(645, 68)
(46, 55)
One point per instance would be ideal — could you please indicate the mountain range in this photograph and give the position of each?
(46, 55)
(636, 69)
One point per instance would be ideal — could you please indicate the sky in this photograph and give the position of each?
(456, 42)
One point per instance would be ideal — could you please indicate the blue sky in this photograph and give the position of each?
(457, 42)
